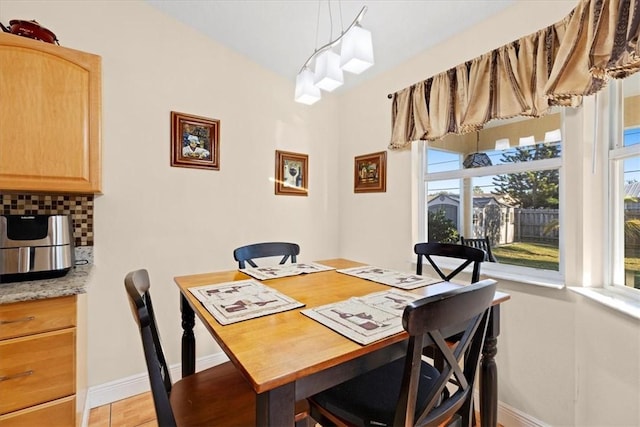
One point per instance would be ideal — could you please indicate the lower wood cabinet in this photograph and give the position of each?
(60, 412)
(39, 363)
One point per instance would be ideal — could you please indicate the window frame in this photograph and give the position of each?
(534, 276)
(617, 154)
(588, 240)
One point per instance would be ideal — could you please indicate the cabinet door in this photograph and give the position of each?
(50, 107)
(60, 412)
(36, 369)
(31, 317)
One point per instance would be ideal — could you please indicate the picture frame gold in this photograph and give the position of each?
(195, 141)
(370, 173)
(292, 174)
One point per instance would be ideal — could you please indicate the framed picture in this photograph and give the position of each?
(195, 141)
(370, 173)
(292, 170)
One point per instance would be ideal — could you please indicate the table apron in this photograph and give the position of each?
(327, 378)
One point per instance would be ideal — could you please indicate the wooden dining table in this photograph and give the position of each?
(288, 356)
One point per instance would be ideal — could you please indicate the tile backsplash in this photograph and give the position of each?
(79, 206)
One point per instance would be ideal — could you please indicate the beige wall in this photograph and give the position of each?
(176, 221)
(562, 359)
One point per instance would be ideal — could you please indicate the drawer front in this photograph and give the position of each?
(30, 317)
(59, 413)
(36, 369)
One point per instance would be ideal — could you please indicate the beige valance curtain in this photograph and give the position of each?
(554, 66)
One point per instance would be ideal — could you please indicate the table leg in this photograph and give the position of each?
(489, 372)
(188, 339)
(276, 407)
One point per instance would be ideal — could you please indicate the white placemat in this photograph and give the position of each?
(365, 319)
(232, 302)
(284, 270)
(389, 277)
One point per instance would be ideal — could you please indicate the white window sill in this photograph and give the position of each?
(526, 275)
(622, 300)
(617, 299)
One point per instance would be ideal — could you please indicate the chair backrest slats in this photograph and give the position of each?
(450, 250)
(483, 244)
(426, 318)
(246, 254)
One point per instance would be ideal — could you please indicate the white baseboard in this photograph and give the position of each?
(511, 417)
(130, 386)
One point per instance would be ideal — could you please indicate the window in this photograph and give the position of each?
(514, 201)
(624, 164)
(582, 229)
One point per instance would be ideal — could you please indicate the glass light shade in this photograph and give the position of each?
(328, 72)
(306, 92)
(553, 136)
(503, 144)
(476, 160)
(527, 140)
(356, 54)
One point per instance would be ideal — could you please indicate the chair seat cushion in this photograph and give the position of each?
(361, 402)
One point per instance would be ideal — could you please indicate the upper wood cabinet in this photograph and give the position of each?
(50, 109)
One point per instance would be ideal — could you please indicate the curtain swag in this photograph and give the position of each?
(556, 66)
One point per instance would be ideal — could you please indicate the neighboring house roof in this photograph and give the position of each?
(479, 200)
(632, 189)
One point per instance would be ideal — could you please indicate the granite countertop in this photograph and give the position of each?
(73, 283)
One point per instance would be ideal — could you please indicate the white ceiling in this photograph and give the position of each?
(281, 34)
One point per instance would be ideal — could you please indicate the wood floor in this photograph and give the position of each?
(136, 411)
(132, 412)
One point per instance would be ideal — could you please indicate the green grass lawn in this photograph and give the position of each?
(534, 255)
(539, 255)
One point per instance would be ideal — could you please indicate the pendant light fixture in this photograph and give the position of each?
(477, 159)
(356, 55)
(306, 91)
(328, 72)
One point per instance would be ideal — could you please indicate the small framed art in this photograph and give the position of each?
(195, 141)
(292, 171)
(370, 173)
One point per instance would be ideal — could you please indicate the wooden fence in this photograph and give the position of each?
(536, 225)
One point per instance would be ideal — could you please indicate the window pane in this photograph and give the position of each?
(442, 161)
(443, 210)
(632, 222)
(628, 203)
(631, 137)
(518, 211)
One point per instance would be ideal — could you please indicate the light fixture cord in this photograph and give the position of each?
(317, 26)
(333, 42)
(330, 21)
(340, 10)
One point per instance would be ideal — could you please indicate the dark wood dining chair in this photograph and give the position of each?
(410, 391)
(466, 254)
(483, 244)
(218, 396)
(246, 254)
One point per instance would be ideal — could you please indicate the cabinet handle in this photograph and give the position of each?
(23, 319)
(11, 377)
